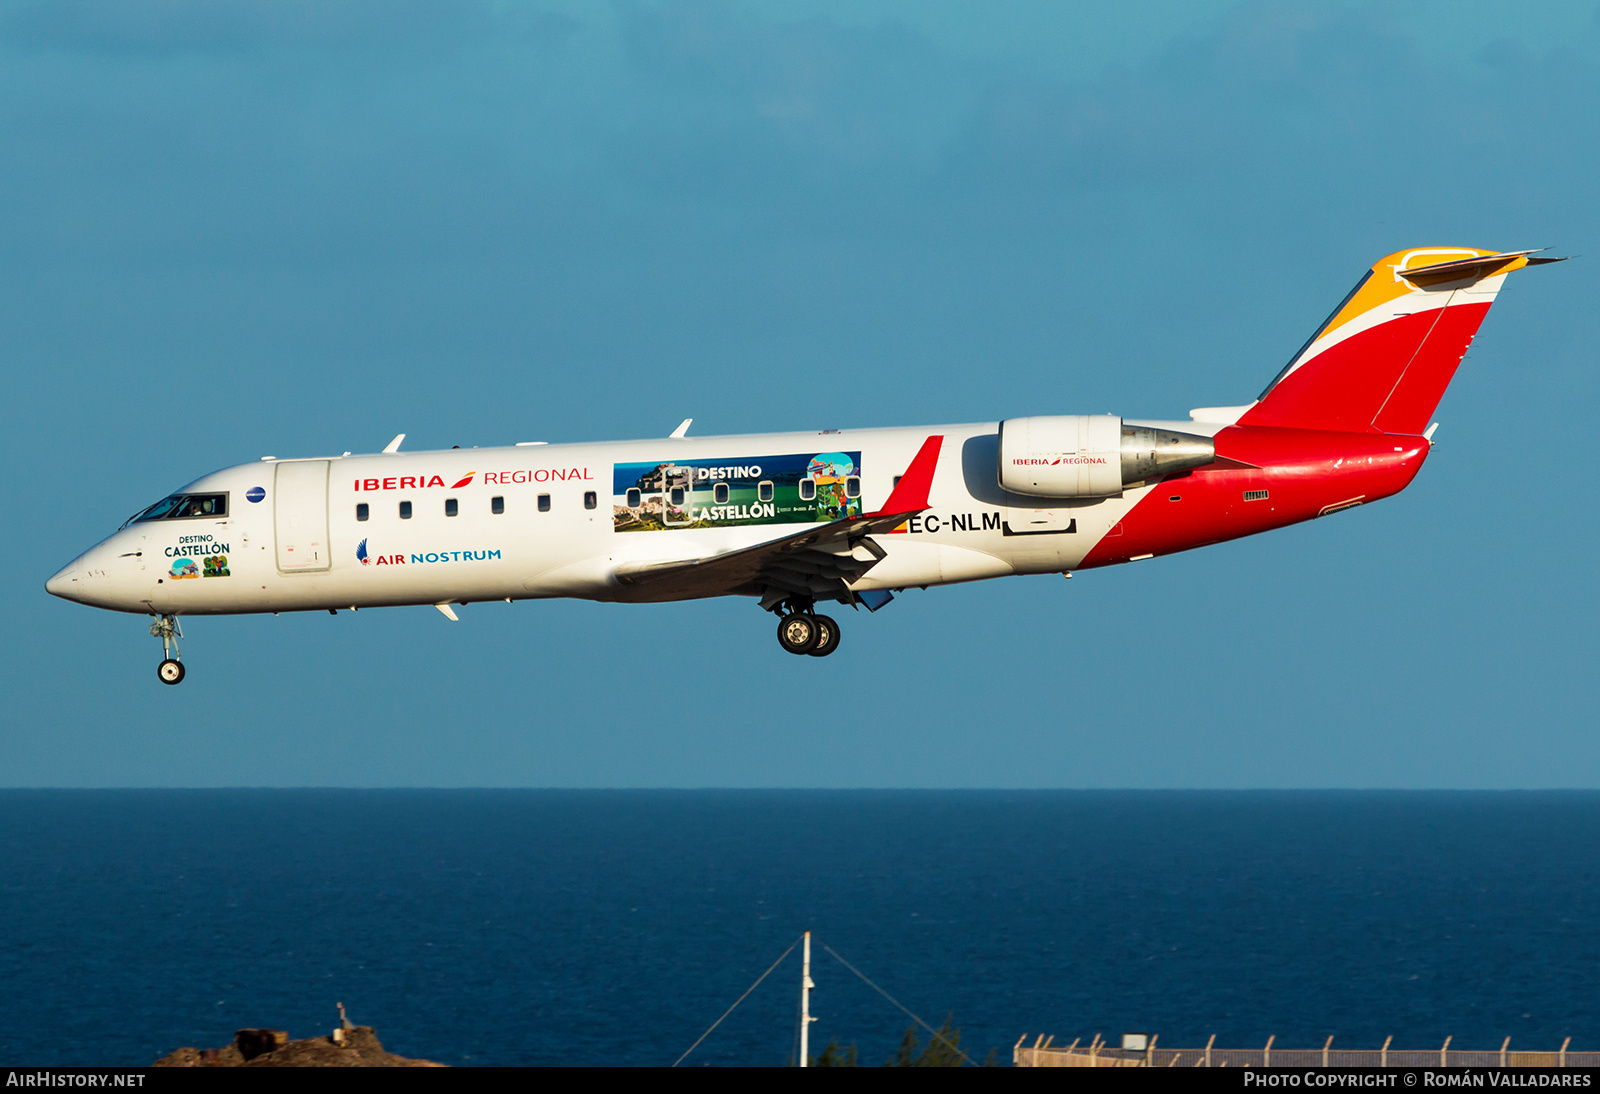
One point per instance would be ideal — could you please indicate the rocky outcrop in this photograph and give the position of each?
(359, 1047)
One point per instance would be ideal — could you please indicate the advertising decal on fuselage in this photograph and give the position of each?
(188, 548)
(730, 492)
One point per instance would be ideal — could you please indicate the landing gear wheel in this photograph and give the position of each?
(828, 639)
(166, 628)
(798, 633)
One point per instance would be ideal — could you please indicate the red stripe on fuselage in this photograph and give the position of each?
(1303, 471)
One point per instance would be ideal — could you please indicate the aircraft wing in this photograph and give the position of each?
(818, 562)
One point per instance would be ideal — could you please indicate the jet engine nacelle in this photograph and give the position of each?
(1091, 455)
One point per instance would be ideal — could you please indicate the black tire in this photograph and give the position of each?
(828, 638)
(170, 671)
(798, 632)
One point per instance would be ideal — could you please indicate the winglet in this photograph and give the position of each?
(682, 431)
(394, 445)
(910, 494)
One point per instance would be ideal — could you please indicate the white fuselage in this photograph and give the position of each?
(277, 554)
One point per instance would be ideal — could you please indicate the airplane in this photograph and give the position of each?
(793, 520)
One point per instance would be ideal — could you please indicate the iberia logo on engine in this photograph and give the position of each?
(1035, 462)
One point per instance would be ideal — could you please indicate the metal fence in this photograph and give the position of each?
(1044, 1053)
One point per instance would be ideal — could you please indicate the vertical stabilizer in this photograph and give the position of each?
(1382, 361)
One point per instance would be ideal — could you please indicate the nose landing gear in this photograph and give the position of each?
(166, 628)
(801, 631)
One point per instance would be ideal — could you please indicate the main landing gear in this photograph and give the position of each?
(802, 631)
(166, 628)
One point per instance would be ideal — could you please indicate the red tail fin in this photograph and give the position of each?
(1382, 361)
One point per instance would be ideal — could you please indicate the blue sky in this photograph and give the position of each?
(235, 229)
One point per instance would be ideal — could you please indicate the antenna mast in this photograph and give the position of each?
(805, 1002)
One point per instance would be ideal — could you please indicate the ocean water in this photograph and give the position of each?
(598, 927)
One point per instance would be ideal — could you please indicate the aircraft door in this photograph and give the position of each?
(677, 501)
(300, 516)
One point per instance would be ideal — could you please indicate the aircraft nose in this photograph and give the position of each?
(65, 583)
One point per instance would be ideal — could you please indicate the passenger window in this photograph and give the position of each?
(764, 491)
(544, 503)
(634, 498)
(405, 510)
(897, 480)
(676, 494)
(497, 506)
(719, 493)
(361, 511)
(450, 507)
(808, 489)
(590, 499)
(852, 486)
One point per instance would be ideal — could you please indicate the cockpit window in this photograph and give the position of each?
(203, 505)
(158, 510)
(184, 506)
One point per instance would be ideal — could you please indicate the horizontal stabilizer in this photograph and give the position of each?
(1475, 268)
